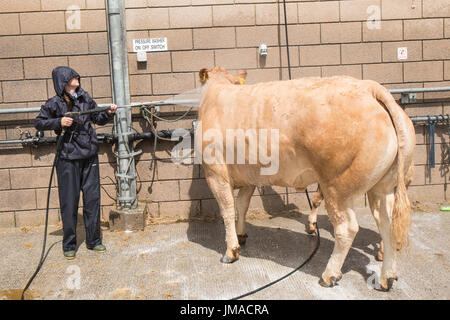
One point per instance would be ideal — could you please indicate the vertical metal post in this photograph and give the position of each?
(126, 171)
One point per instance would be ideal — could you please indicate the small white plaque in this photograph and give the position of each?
(402, 53)
(150, 44)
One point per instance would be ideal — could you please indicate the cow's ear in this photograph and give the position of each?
(243, 74)
(241, 77)
(203, 75)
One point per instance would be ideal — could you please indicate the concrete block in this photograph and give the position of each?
(41, 68)
(254, 36)
(21, 46)
(237, 58)
(361, 53)
(17, 200)
(20, 5)
(12, 69)
(190, 17)
(9, 24)
(401, 9)
(356, 10)
(436, 8)
(42, 22)
(383, 73)
(302, 34)
(273, 13)
(390, 50)
(98, 42)
(36, 218)
(5, 183)
(320, 55)
(210, 38)
(180, 209)
(140, 84)
(173, 83)
(423, 71)
(92, 65)
(313, 12)
(389, 31)
(192, 60)
(436, 49)
(56, 44)
(179, 39)
(149, 18)
(50, 5)
(419, 29)
(349, 70)
(27, 90)
(341, 32)
(7, 220)
(237, 15)
(128, 219)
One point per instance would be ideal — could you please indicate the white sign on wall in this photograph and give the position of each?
(150, 45)
(402, 53)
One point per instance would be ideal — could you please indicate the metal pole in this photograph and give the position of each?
(436, 118)
(126, 172)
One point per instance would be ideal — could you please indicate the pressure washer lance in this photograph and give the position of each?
(59, 140)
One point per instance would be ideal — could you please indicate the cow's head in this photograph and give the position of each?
(221, 75)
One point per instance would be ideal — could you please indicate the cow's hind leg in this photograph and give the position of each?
(382, 205)
(223, 192)
(345, 228)
(242, 203)
(312, 218)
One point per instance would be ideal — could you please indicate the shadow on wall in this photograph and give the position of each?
(442, 134)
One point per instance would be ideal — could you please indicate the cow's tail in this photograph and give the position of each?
(401, 215)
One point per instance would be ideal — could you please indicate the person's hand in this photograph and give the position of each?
(112, 109)
(66, 121)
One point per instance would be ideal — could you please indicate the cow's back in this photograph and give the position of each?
(323, 124)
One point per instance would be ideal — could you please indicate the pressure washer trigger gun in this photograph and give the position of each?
(75, 114)
(72, 115)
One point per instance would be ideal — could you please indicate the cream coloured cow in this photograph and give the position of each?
(348, 135)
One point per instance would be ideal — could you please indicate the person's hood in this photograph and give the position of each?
(61, 76)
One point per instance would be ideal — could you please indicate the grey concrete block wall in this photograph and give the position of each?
(326, 38)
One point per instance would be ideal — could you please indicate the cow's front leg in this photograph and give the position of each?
(242, 203)
(223, 192)
(345, 229)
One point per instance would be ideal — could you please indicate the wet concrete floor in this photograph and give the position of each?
(182, 261)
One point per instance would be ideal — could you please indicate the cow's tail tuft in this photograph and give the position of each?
(401, 215)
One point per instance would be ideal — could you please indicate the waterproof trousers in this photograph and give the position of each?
(75, 176)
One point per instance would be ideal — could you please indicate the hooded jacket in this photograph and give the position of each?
(80, 140)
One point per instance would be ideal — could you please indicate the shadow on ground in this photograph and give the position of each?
(286, 247)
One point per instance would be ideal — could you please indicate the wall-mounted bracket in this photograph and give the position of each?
(410, 97)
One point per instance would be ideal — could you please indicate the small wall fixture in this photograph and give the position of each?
(263, 50)
(141, 56)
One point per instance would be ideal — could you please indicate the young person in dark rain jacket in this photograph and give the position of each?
(77, 165)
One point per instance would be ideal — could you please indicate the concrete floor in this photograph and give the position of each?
(181, 261)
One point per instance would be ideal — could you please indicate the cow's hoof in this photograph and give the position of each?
(227, 259)
(333, 282)
(230, 257)
(390, 283)
(379, 256)
(311, 228)
(242, 239)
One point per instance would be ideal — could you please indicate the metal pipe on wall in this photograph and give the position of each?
(191, 101)
(126, 171)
